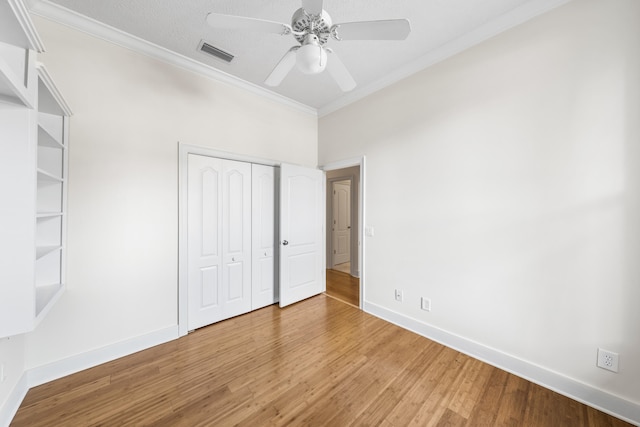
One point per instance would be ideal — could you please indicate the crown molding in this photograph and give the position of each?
(22, 31)
(515, 17)
(511, 19)
(64, 16)
(53, 89)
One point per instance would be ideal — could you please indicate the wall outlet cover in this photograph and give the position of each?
(608, 360)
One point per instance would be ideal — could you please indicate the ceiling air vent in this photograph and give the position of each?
(214, 51)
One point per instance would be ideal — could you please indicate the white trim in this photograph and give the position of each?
(490, 29)
(204, 151)
(517, 16)
(62, 15)
(61, 368)
(601, 400)
(25, 22)
(42, 374)
(44, 75)
(343, 164)
(14, 400)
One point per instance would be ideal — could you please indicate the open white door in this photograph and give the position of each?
(302, 211)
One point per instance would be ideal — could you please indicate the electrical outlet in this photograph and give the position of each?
(398, 295)
(425, 304)
(2, 377)
(608, 360)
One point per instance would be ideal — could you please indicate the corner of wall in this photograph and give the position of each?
(598, 399)
(10, 406)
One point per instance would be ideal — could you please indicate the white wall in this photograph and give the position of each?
(503, 183)
(130, 111)
(13, 357)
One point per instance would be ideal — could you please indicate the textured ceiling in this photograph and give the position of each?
(180, 26)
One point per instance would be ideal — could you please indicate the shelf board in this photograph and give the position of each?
(45, 250)
(46, 176)
(46, 296)
(12, 89)
(46, 139)
(48, 214)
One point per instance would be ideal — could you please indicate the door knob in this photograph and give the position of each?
(285, 243)
(233, 259)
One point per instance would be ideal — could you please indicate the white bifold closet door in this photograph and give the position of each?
(263, 234)
(219, 239)
(232, 230)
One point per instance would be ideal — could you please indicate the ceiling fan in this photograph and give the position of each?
(312, 27)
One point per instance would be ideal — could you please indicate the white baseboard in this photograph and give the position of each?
(10, 407)
(566, 386)
(71, 365)
(52, 371)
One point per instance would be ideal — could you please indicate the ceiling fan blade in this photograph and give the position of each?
(339, 72)
(217, 20)
(282, 69)
(312, 7)
(389, 29)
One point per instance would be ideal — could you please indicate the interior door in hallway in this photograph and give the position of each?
(341, 224)
(219, 239)
(302, 215)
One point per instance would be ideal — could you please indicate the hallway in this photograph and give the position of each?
(343, 287)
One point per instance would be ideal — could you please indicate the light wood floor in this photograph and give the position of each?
(344, 287)
(344, 267)
(318, 362)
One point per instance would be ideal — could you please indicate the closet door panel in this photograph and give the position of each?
(204, 240)
(236, 229)
(210, 287)
(264, 291)
(235, 290)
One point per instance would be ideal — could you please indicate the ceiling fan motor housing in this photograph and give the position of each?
(304, 23)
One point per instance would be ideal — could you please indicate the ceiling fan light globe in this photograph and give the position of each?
(311, 59)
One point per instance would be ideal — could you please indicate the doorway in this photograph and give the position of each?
(343, 239)
(341, 225)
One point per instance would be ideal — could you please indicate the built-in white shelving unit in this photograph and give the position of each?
(34, 121)
(52, 123)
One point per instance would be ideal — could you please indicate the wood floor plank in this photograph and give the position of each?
(343, 286)
(423, 399)
(514, 402)
(317, 362)
(486, 408)
(395, 392)
(469, 386)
